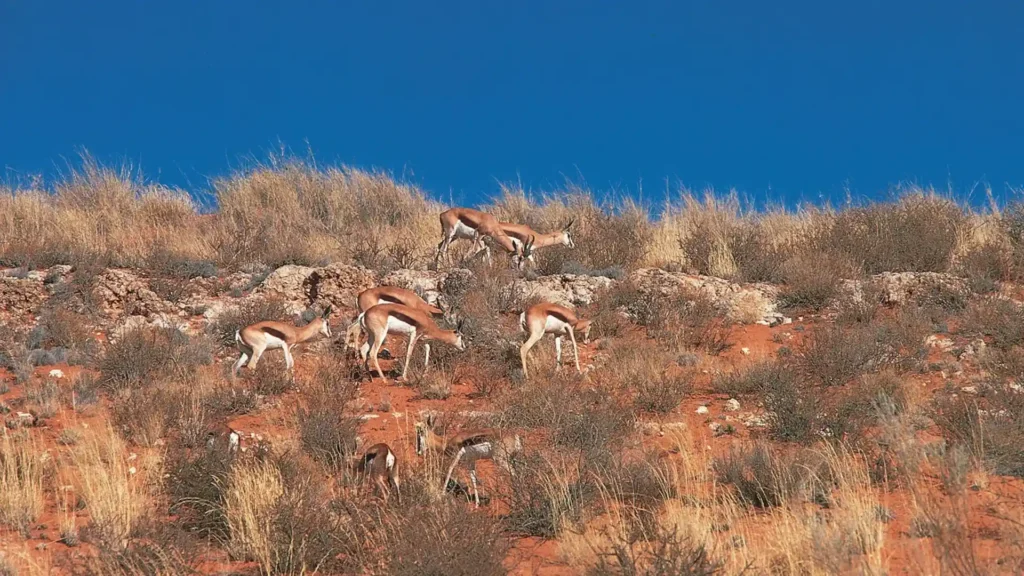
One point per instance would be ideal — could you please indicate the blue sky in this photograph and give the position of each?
(781, 100)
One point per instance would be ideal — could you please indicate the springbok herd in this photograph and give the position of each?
(390, 309)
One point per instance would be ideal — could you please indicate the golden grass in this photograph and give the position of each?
(21, 482)
(115, 493)
(251, 497)
(287, 210)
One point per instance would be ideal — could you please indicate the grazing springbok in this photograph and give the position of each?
(467, 447)
(386, 295)
(255, 339)
(381, 465)
(548, 318)
(381, 319)
(476, 226)
(522, 234)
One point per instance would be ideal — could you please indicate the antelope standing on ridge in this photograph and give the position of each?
(255, 339)
(381, 319)
(386, 295)
(523, 234)
(467, 447)
(548, 318)
(381, 465)
(475, 225)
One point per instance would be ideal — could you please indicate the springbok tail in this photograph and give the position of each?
(522, 321)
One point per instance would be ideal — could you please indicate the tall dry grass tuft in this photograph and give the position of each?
(115, 495)
(250, 502)
(21, 482)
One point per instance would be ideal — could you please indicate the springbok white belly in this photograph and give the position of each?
(397, 326)
(555, 326)
(463, 231)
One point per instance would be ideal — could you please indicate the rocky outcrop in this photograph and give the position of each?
(121, 292)
(20, 297)
(337, 285)
(897, 288)
(745, 303)
(288, 284)
(426, 283)
(566, 289)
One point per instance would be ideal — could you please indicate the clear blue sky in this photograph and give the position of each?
(798, 98)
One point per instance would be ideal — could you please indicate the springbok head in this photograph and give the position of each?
(567, 235)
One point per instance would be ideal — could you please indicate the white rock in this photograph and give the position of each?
(969, 389)
(55, 373)
(702, 410)
(732, 405)
(745, 351)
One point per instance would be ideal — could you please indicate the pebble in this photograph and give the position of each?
(702, 410)
(732, 405)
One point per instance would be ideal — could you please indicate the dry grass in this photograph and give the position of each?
(21, 482)
(115, 495)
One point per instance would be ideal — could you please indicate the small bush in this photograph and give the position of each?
(660, 552)
(63, 329)
(21, 484)
(445, 539)
(985, 266)
(916, 234)
(196, 485)
(142, 415)
(999, 319)
(647, 376)
(762, 478)
(991, 427)
(270, 378)
(143, 355)
(436, 384)
(809, 281)
(546, 495)
(327, 432)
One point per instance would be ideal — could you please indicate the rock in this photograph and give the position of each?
(754, 421)
(702, 410)
(744, 303)
(935, 341)
(969, 389)
(732, 405)
(719, 429)
(122, 292)
(745, 351)
(898, 288)
(566, 289)
(55, 373)
(20, 297)
(287, 283)
(649, 428)
(426, 283)
(337, 285)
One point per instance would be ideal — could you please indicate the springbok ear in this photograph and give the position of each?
(327, 311)
(569, 225)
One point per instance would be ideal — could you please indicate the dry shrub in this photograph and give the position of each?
(662, 552)
(985, 266)
(61, 329)
(853, 411)
(142, 416)
(327, 430)
(999, 319)
(546, 494)
(647, 375)
(250, 312)
(918, 233)
(837, 354)
(143, 355)
(992, 427)
(447, 538)
(810, 280)
(196, 486)
(792, 411)
(21, 483)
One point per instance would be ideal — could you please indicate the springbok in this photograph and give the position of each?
(257, 338)
(468, 447)
(523, 234)
(381, 465)
(381, 319)
(548, 318)
(386, 295)
(475, 225)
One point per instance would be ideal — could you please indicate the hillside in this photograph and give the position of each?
(825, 391)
